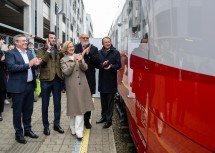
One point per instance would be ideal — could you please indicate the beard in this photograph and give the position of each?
(85, 44)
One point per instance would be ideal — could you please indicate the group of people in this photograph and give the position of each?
(77, 65)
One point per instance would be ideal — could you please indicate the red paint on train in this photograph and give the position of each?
(173, 110)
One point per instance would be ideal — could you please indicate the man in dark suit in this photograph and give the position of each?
(92, 59)
(21, 83)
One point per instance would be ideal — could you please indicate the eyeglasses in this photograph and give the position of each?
(70, 46)
(23, 40)
(85, 37)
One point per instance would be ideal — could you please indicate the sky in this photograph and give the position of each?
(102, 14)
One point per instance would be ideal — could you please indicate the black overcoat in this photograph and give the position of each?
(108, 78)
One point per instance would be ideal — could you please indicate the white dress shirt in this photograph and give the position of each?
(25, 58)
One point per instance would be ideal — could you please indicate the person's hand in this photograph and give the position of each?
(86, 50)
(105, 63)
(48, 44)
(3, 57)
(33, 62)
(58, 44)
(79, 58)
(108, 67)
(38, 62)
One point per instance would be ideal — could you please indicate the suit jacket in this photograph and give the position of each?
(92, 60)
(18, 71)
(49, 67)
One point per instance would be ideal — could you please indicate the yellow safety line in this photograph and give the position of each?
(85, 140)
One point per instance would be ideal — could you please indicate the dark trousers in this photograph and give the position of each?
(22, 109)
(107, 104)
(2, 98)
(87, 117)
(8, 95)
(63, 86)
(47, 87)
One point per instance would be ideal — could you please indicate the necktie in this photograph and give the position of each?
(84, 47)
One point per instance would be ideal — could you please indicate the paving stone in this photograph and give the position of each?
(100, 141)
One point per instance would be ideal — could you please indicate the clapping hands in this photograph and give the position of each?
(86, 51)
(106, 65)
(79, 57)
(35, 62)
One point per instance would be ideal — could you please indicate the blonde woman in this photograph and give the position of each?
(78, 94)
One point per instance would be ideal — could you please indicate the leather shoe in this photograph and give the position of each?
(31, 134)
(58, 129)
(79, 139)
(20, 139)
(102, 120)
(46, 131)
(88, 125)
(107, 125)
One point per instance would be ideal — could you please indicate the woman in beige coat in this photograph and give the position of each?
(78, 94)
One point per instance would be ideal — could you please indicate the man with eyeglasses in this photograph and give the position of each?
(92, 59)
(21, 64)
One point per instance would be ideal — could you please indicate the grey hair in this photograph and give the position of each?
(15, 38)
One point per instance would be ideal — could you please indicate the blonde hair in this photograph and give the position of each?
(65, 46)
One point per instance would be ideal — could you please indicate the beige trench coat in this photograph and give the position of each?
(78, 94)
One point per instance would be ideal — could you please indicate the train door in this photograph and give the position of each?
(138, 90)
(138, 81)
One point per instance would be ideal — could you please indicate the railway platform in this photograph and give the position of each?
(95, 140)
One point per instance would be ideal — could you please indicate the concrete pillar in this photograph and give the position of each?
(40, 18)
(27, 19)
(52, 16)
(60, 27)
(33, 7)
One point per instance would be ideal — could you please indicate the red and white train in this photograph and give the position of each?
(169, 91)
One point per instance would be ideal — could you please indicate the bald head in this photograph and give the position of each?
(84, 35)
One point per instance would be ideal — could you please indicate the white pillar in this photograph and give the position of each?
(27, 19)
(40, 18)
(52, 15)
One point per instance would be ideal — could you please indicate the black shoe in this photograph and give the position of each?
(31, 134)
(107, 125)
(46, 131)
(102, 120)
(88, 125)
(20, 139)
(58, 129)
(1, 119)
(79, 138)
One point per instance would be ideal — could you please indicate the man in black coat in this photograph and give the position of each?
(2, 79)
(110, 63)
(92, 59)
